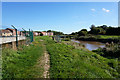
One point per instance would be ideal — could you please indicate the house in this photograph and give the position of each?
(50, 33)
(47, 33)
(44, 33)
(4, 32)
(35, 33)
(19, 33)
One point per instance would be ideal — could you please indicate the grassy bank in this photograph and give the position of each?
(20, 63)
(68, 62)
(100, 38)
(108, 36)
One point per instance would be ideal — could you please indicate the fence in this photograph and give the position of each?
(17, 38)
(57, 38)
(28, 35)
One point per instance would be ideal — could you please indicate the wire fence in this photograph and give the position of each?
(57, 38)
(18, 37)
(29, 36)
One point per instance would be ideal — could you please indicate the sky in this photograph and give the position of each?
(66, 17)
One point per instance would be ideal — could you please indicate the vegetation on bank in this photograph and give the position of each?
(20, 63)
(111, 51)
(100, 36)
(99, 30)
(68, 62)
(99, 33)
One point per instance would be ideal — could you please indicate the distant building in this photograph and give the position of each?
(19, 33)
(35, 33)
(50, 33)
(4, 32)
(47, 33)
(44, 33)
(10, 32)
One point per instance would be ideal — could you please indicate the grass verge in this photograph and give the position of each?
(68, 62)
(20, 63)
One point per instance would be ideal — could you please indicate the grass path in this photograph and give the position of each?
(41, 68)
(43, 63)
(46, 63)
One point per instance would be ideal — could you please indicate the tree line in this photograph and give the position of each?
(99, 30)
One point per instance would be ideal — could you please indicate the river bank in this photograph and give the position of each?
(73, 61)
(100, 38)
(67, 60)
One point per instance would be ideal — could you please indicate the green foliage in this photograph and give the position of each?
(105, 30)
(99, 30)
(108, 36)
(68, 62)
(113, 51)
(66, 39)
(19, 64)
(82, 33)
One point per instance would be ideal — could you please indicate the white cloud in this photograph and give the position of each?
(105, 10)
(93, 9)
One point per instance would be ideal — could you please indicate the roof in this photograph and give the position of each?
(5, 31)
(10, 29)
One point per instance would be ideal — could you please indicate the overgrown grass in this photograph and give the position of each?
(101, 36)
(20, 63)
(108, 36)
(68, 62)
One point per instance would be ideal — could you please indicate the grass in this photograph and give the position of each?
(20, 63)
(102, 36)
(68, 62)
(108, 36)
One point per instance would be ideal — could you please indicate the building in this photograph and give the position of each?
(35, 33)
(50, 33)
(10, 32)
(44, 33)
(4, 32)
(19, 33)
(47, 33)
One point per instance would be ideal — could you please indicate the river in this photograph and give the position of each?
(90, 45)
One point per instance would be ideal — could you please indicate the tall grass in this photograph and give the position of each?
(108, 36)
(68, 62)
(19, 64)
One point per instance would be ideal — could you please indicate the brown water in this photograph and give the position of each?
(90, 45)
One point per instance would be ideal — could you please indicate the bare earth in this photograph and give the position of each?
(43, 65)
(46, 65)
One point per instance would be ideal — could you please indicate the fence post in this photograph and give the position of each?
(31, 36)
(16, 36)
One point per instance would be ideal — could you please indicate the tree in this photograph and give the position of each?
(49, 31)
(83, 32)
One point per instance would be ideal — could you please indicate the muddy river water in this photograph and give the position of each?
(90, 45)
